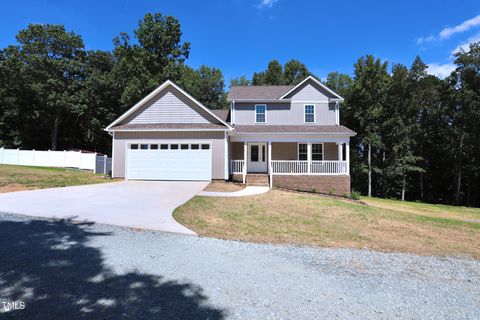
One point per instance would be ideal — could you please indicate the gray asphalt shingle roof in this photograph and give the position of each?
(257, 92)
(314, 129)
(146, 126)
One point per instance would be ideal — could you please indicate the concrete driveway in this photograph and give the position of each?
(136, 204)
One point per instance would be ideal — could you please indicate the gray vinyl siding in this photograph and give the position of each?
(309, 93)
(170, 106)
(216, 138)
(292, 113)
(285, 113)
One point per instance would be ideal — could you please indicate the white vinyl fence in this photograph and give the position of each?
(64, 159)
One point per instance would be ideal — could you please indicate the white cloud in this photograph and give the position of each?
(466, 45)
(425, 39)
(267, 3)
(440, 70)
(462, 27)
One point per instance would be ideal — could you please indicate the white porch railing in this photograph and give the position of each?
(289, 166)
(236, 166)
(329, 167)
(294, 167)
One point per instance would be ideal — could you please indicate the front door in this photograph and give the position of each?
(257, 158)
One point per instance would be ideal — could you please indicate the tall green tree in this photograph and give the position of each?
(339, 82)
(399, 129)
(366, 102)
(206, 85)
(466, 117)
(240, 81)
(294, 72)
(274, 73)
(157, 56)
(53, 60)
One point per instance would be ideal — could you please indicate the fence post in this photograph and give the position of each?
(79, 159)
(105, 164)
(64, 158)
(49, 158)
(18, 156)
(2, 154)
(33, 157)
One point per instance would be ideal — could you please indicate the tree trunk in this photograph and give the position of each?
(369, 170)
(404, 184)
(421, 186)
(459, 163)
(56, 124)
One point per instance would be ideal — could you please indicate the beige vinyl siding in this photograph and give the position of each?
(284, 151)
(285, 113)
(216, 138)
(170, 106)
(236, 150)
(330, 151)
(289, 151)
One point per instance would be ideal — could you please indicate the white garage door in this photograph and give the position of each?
(169, 161)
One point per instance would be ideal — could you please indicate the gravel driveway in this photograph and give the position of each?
(72, 271)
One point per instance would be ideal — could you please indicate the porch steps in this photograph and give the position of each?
(256, 179)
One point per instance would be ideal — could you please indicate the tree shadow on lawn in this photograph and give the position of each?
(48, 265)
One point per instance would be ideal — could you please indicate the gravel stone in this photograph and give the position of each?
(225, 279)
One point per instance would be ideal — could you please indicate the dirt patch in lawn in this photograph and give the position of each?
(285, 217)
(13, 187)
(222, 186)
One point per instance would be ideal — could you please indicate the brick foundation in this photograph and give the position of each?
(237, 177)
(337, 185)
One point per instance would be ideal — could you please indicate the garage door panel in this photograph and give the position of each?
(169, 164)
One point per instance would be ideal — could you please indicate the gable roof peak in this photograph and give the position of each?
(156, 91)
(316, 81)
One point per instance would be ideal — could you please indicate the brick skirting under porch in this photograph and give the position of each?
(335, 184)
(237, 177)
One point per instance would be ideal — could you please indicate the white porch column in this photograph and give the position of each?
(347, 156)
(227, 163)
(340, 151)
(244, 161)
(309, 157)
(269, 147)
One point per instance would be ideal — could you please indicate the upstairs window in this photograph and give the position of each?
(309, 113)
(260, 113)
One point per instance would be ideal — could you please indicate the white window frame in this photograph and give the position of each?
(298, 150)
(311, 150)
(261, 105)
(305, 112)
(323, 150)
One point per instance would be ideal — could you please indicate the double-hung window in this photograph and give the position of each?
(302, 152)
(260, 113)
(309, 113)
(317, 152)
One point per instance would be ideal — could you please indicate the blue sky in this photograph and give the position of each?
(241, 36)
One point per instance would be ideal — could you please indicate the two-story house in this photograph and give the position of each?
(285, 136)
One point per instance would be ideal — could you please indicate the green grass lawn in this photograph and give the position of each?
(385, 225)
(16, 178)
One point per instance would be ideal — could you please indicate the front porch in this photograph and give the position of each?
(303, 164)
